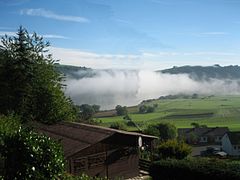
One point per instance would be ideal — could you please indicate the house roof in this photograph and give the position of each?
(77, 136)
(234, 137)
(203, 131)
(217, 131)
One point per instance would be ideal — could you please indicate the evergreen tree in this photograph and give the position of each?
(30, 85)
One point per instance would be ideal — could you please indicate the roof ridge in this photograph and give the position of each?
(86, 127)
(64, 135)
(104, 129)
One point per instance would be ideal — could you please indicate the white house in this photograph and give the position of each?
(231, 143)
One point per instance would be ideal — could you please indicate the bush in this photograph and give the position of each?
(82, 177)
(147, 109)
(173, 149)
(127, 117)
(195, 168)
(28, 155)
(150, 109)
(142, 109)
(164, 131)
(118, 125)
(121, 110)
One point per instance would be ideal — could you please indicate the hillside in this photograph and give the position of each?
(182, 111)
(195, 72)
(75, 72)
(206, 72)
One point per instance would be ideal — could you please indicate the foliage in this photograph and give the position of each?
(193, 138)
(195, 168)
(30, 85)
(82, 177)
(85, 112)
(121, 110)
(73, 71)
(127, 117)
(131, 123)
(28, 155)
(96, 108)
(182, 112)
(200, 73)
(118, 125)
(164, 131)
(150, 109)
(195, 125)
(143, 109)
(147, 109)
(173, 149)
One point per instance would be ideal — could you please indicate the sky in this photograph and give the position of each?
(131, 34)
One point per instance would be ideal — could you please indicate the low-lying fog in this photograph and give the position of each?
(110, 88)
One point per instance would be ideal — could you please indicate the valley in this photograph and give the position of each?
(212, 111)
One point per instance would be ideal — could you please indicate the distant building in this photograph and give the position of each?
(98, 151)
(231, 143)
(202, 135)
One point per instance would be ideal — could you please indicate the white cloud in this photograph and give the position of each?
(213, 33)
(197, 53)
(50, 36)
(54, 36)
(51, 15)
(208, 34)
(9, 33)
(144, 60)
(6, 28)
(94, 60)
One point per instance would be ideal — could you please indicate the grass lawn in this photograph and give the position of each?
(211, 111)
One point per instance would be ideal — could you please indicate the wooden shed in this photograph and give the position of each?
(98, 151)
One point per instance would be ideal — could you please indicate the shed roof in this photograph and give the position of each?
(77, 136)
(234, 137)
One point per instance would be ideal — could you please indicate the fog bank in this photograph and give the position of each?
(109, 88)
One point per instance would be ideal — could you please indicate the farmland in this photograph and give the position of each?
(205, 110)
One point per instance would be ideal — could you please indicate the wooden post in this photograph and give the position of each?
(106, 153)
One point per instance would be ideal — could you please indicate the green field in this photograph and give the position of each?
(210, 110)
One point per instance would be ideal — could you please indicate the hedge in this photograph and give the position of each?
(28, 155)
(195, 169)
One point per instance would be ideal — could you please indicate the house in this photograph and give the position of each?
(231, 143)
(98, 151)
(202, 135)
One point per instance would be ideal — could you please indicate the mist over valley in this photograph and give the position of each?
(109, 88)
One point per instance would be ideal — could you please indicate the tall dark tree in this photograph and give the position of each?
(30, 85)
(164, 131)
(121, 110)
(86, 112)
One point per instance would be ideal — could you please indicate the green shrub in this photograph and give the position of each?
(118, 125)
(147, 109)
(173, 149)
(195, 168)
(164, 131)
(82, 177)
(28, 155)
(121, 110)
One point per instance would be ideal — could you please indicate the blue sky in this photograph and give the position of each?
(145, 34)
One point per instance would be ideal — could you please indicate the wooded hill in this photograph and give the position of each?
(75, 72)
(197, 73)
(206, 72)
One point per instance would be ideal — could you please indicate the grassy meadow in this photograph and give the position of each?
(206, 110)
